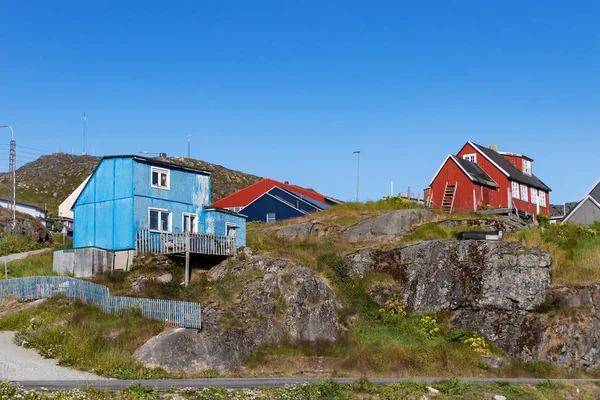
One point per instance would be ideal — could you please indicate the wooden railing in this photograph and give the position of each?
(180, 243)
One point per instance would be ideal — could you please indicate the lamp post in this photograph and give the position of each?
(357, 152)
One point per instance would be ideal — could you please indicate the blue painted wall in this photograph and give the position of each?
(216, 224)
(106, 203)
(294, 200)
(188, 193)
(257, 210)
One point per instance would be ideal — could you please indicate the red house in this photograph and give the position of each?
(478, 177)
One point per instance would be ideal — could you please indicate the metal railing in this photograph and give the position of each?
(176, 313)
(177, 243)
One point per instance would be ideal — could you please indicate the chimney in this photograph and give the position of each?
(287, 182)
(494, 147)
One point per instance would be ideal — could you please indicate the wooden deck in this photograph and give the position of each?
(184, 243)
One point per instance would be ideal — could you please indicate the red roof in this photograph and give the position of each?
(243, 197)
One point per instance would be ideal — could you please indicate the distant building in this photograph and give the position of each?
(134, 204)
(479, 177)
(269, 200)
(587, 210)
(65, 208)
(26, 208)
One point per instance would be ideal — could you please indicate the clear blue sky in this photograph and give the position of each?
(289, 90)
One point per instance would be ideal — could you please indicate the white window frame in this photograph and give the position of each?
(471, 157)
(195, 227)
(516, 194)
(528, 169)
(524, 193)
(542, 197)
(160, 171)
(160, 212)
(274, 217)
(534, 196)
(231, 225)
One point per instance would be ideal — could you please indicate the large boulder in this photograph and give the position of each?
(388, 226)
(450, 274)
(278, 301)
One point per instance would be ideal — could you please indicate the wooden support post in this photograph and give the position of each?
(474, 201)
(5, 270)
(187, 260)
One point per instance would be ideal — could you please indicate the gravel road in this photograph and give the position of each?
(20, 364)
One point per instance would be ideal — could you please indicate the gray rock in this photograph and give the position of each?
(449, 275)
(388, 226)
(301, 231)
(494, 362)
(279, 300)
(382, 292)
(165, 278)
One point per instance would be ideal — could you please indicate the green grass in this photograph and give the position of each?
(331, 390)
(575, 250)
(11, 244)
(36, 265)
(84, 337)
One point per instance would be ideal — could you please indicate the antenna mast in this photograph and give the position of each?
(84, 120)
(189, 146)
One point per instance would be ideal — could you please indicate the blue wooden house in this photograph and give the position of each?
(134, 204)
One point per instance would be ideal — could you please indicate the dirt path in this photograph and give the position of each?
(18, 363)
(20, 256)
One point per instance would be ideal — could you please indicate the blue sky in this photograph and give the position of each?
(289, 90)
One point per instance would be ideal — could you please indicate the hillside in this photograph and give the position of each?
(51, 178)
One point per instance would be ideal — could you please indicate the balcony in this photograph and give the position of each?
(183, 243)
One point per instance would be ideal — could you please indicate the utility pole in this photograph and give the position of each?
(189, 146)
(357, 152)
(12, 167)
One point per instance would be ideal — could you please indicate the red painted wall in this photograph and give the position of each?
(516, 161)
(463, 200)
(500, 198)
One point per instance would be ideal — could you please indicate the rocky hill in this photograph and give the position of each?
(48, 180)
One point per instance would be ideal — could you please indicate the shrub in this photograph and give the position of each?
(429, 326)
(392, 312)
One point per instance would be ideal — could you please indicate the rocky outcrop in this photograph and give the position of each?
(279, 301)
(388, 226)
(25, 225)
(302, 231)
(494, 288)
(506, 224)
(451, 274)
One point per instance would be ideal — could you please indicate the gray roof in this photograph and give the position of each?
(511, 170)
(476, 173)
(558, 210)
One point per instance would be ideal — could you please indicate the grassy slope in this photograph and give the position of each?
(377, 344)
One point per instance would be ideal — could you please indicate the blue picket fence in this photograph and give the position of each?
(176, 313)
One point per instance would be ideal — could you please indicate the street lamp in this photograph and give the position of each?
(11, 169)
(357, 152)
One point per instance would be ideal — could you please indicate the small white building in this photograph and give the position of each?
(25, 208)
(64, 209)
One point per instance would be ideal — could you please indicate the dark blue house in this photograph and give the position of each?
(269, 201)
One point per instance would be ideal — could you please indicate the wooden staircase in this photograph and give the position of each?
(448, 199)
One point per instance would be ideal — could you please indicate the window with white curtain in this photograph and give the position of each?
(524, 194)
(515, 190)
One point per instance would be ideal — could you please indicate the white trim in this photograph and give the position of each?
(579, 205)
(450, 156)
(512, 190)
(487, 158)
(159, 170)
(231, 225)
(161, 210)
(187, 214)
(591, 189)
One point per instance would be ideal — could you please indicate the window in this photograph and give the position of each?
(189, 223)
(515, 190)
(527, 167)
(542, 199)
(471, 157)
(160, 178)
(159, 220)
(524, 195)
(534, 196)
(270, 217)
(230, 229)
